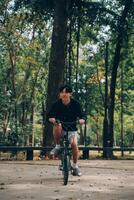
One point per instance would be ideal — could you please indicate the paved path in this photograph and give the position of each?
(41, 180)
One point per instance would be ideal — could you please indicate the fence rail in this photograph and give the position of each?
(85, 149)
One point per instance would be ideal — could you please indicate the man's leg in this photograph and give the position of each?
(73, 142)
(57, 132)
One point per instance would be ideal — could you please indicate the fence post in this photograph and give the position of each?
(85, 153)
(29, 154)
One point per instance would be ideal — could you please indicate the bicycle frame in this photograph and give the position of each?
(65, 151)
(65, 157)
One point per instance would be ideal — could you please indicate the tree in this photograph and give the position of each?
(57, 60)
(116, 60)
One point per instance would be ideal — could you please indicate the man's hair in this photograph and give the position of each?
(67, 88)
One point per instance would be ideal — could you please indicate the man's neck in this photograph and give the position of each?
(66, 102)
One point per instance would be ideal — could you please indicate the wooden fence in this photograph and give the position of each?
(85, 150)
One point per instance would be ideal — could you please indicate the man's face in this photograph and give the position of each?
(64, 95)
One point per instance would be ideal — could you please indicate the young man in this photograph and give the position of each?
(66, 109)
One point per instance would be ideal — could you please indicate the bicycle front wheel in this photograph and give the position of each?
(66, 168)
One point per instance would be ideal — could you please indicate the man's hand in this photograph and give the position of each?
(52, 120)
(81, 121)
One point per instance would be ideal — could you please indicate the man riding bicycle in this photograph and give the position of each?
(68, 110)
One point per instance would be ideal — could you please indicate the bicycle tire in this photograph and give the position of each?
(66, 168)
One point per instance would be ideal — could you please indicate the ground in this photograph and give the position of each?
(41, 180)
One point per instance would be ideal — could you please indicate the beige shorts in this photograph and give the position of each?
(71, 134)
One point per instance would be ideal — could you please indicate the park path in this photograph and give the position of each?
(41, 180)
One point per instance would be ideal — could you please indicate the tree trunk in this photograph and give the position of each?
(97, 132)
(12, 55)
(105, 122)
(122, 110)
(116, 60)
(57, 61)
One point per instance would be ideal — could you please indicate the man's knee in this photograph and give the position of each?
(74, 144)
(57, 130)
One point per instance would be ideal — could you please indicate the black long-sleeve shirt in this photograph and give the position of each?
(66, 113)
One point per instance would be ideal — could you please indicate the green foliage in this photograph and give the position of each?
(24, 71)
(37, 6)
(25, 41)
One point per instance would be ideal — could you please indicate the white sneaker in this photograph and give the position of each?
(76, 172)
(55, 151)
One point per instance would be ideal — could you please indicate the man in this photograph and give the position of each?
(66, 109)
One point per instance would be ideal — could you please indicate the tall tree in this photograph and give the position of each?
(57, 60)
(122, 30)
(58, 52)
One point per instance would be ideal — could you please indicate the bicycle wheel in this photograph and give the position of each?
(66, 168)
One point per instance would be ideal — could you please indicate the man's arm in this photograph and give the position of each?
(81, 115)
(52, 114)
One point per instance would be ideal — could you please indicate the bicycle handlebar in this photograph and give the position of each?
(65, 123)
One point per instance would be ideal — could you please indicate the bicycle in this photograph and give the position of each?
(65, 151)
